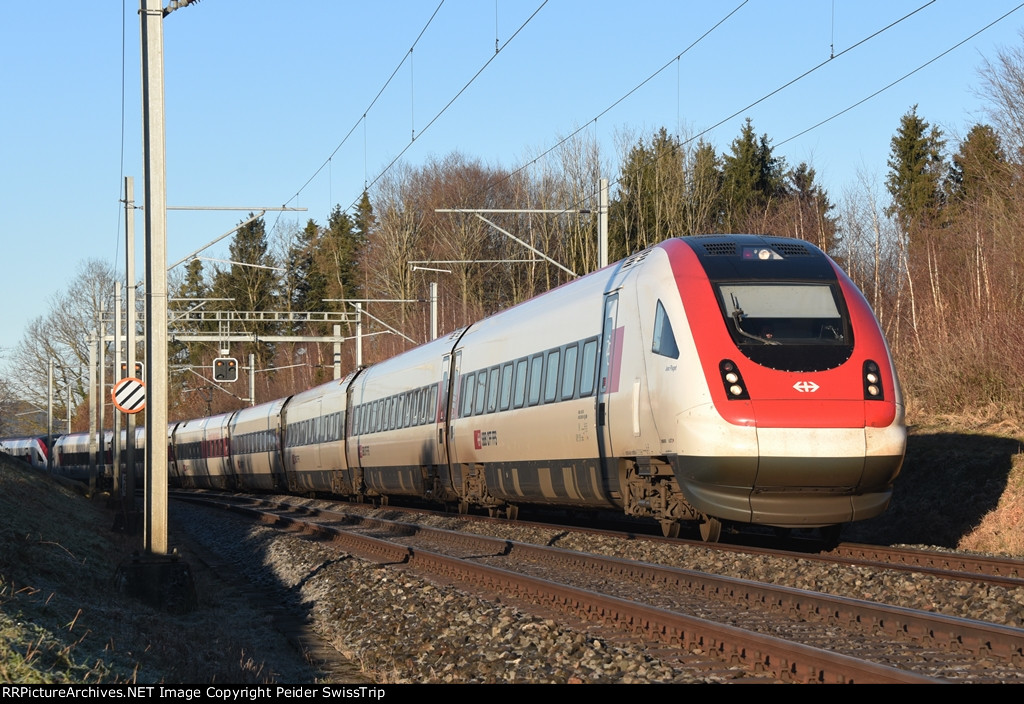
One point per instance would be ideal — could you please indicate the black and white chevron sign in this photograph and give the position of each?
(129, 395)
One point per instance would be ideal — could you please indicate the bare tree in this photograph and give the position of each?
(62, 336)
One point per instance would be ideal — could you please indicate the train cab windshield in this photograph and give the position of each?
(794, 326)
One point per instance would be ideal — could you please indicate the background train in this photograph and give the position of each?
(32, 450)
(714, 379)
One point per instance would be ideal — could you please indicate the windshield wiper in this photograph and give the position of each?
(737, 313)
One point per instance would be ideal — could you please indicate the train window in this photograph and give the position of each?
(551, 376)
(506, 386)
(519, 398)
(467, 395)
(588, 367)
(492, 389)
(664, 340)
(481, 391)
(783, 312)
(536, 367)
(569, 372)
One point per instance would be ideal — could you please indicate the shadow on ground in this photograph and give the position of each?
(948, 483)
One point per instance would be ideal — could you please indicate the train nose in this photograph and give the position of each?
(789, 476)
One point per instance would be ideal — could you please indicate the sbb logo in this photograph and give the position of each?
(484, 438)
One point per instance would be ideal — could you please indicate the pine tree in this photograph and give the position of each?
(336, 262)
(649, 206)
(704, 192)
(915, 175)
(304, 283)
(191, 292)
(813, 221)
(250, 283)
(753, 181)
(977, 166)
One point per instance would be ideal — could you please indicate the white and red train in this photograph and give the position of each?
(32, 450)
(713, 379)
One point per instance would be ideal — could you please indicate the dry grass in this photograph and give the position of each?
(1002, 530)
(62, 619)
(961, 486)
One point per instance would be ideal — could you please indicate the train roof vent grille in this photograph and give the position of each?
(791, 249)
(636, 258)
(720, 249)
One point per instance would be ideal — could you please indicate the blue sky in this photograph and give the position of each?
(265, 100)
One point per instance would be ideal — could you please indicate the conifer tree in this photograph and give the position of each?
(250, 283)
(649, 206)
(753, 181)
(190, 294)
(916, 169)
(704, 192)
(977, 166)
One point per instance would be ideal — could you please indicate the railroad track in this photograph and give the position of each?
(773, 632)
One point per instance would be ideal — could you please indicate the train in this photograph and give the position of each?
(710, 381)
(31, 450)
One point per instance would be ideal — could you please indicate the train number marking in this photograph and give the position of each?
(806, 386)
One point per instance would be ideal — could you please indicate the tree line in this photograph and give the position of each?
(935, 246)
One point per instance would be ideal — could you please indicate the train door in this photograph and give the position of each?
(608, 382)
(446, 414)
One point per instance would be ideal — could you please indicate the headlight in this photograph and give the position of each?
(872, 376)
(732, 380)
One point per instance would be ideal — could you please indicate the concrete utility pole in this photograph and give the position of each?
(49, 416)
(602, 225)
(128, 488)
(101, 433)
(92, 413)
(155, 204)
(433, 310)
(118, 486)
(159, 576)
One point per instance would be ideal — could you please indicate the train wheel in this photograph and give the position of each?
(670, 529)
(511, 512)
(710, 530)
(463, 507)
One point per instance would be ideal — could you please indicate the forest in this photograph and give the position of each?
(934, 244)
